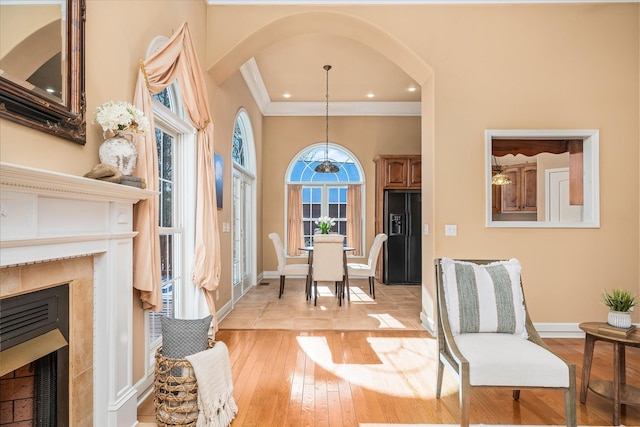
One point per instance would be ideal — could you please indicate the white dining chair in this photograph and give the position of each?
(368, 269)
(328, 262)
(285, 269)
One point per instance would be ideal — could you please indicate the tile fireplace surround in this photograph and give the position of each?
(57, 228)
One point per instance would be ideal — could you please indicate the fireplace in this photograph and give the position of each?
(63, 230)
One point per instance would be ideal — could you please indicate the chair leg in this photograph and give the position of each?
(465, 402)
(281, 286)
(440, 371)
(315, 292)
(516, 394)
(345, 282)
(570, 399)
(340, 290)
(372, 287)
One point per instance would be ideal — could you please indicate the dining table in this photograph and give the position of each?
(345, 287)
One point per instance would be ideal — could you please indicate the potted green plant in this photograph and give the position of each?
(620, 303)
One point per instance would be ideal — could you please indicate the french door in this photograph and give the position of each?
(242, 232)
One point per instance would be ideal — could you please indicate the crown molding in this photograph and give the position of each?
(253, 79)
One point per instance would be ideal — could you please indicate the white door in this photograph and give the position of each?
(558, 208)
(241, 234)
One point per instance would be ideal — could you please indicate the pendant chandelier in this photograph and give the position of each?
(499, 178)
(327, 166)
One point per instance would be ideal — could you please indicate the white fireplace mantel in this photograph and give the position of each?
(46, 216)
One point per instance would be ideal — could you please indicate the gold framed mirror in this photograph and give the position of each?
(42, 66)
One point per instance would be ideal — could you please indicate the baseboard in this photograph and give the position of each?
(223, 311)
(559, 330)
(428, 323)
(546, 330)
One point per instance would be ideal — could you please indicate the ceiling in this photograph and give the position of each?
(294, 66)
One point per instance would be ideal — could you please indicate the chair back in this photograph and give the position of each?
(328, 261)
(374, 252)
(277, 245)
(508, 295)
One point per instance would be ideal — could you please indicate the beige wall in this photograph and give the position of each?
(496, 67)
(364, 137)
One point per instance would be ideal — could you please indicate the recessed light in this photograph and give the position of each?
(370, 95)
(411, 89)
(50, 90)
(286, 95)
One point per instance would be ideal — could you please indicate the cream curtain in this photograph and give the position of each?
(176, 60)
(294, 221)
(354, 218)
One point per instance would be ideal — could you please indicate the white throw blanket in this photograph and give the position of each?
(215, 386)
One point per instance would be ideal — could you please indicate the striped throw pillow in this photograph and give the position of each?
(484, 298)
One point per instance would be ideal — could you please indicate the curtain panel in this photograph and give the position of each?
(176, 60)
(295, 234)
(354, 218)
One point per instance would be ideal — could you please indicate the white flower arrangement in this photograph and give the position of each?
(121, 116)
(325, 223)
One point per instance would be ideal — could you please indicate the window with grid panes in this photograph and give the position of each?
(324, 194)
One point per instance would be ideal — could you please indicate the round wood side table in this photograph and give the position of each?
(617, 390)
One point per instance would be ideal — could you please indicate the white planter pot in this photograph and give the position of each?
(619, 319)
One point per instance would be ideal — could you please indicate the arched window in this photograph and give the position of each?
(243, 206)
(312, 194)
(175, 144)
(239, 138)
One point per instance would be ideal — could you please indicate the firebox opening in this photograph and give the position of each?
(34, 333)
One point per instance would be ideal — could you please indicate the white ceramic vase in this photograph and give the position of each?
(120, 151)
(619, 319)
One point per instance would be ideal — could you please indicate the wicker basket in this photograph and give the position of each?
(176, 391)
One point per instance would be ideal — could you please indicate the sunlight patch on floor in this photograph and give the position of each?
(359, 296)
(405, 366)
(387, 321)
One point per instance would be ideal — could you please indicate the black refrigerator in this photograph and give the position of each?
(402, 257)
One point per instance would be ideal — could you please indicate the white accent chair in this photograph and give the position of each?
(328, 262)
(285, 269)
(368, 269)
(515, 361)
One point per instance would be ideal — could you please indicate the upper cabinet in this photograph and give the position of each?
(521, 194)
(399, 171)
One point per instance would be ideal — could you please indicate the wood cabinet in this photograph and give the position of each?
(394, 171)
(519, 196)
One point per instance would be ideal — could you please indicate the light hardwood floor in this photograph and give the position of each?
(378, 375)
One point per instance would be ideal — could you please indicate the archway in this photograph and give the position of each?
(370, 35)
